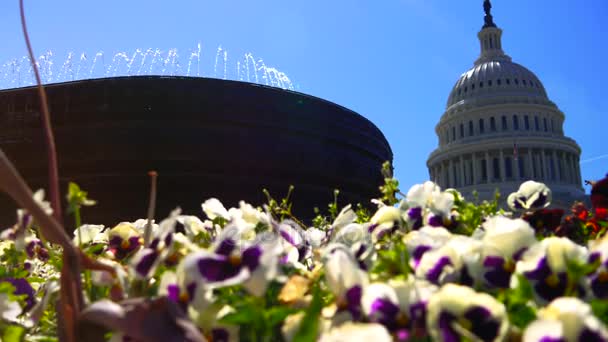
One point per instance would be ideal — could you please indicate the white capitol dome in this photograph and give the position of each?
(500, 129)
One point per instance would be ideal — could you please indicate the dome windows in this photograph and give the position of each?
(492, 124)
(515, 122)
(527, 123)
(498, 81)
(470, 128)
(481, 128)
(536, 125)
(508, 81)
(516, 81)
(504, 123)
(489, 83)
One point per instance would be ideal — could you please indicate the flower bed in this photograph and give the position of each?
(428, 266)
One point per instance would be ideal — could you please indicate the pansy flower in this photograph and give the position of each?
(145, 261)
(385, 221)
(357, 332)
(123, 240)
(599, 279)
(530, 196)
(426, 239)
(358, 239)
(297, 248)
(344, 278)
(503, 243)
(545, 266)
(22, 287)
(9, 309)
(400, 306)
(248, 217)
(434, 205)
(252, 265)
(91, 234)
(455, 262)
(567, 319)
(20, 232)
(457, 312)
(344, 218)
(35, 249)
(213, 208)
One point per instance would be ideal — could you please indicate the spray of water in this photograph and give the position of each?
(19, 73)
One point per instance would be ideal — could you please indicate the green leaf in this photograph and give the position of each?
(600, 309)
(277, 314)
(13, 333)
(243, 314)
(309, 327)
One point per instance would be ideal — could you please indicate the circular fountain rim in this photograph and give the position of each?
(206, 79)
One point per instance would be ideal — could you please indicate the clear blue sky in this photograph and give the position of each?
(393, 61)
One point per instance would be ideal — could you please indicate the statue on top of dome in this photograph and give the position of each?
(489, 21)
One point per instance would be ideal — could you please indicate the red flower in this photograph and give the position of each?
(601, 214)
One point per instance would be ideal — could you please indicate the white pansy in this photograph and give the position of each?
(9, 309)
(90, 233)
(567, 319)
(507, 236)
(213, 208)
(342, 271)
(457, 312)
(345, 217)
(423, 240)
(357, 332)
(315, 236)
(531, 195)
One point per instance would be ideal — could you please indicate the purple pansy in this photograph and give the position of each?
(22, 287)
(545, 266)
(457, 312)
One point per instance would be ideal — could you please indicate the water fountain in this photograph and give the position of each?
(17, 72)
(117, 116)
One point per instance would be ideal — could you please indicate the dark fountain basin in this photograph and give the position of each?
(205, 138)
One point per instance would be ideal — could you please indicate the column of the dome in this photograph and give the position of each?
(446, 174)
(545, 165)
(530, 173)
(538, 173)
(474, 165)
(450, 174)
(565, 164)
(558, 175)
(462, 174)
(487, 164)
(501, 160)
(571, 169)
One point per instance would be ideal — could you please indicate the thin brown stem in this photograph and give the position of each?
(48, 130)
(151, 207)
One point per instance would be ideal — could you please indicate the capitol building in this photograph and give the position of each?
(500, 129)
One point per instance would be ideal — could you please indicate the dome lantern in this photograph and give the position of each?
(490, 39)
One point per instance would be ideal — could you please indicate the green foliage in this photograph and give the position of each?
(390, 189)
(600, 309)
(309, 327)
(518, 302)
(471, 215)
(12, 333)
(392, 262)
